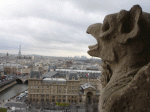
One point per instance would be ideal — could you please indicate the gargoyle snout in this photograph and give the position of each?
(87, 31)
(94, 30)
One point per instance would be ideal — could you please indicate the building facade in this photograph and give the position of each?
(75, 87)
(1, 70)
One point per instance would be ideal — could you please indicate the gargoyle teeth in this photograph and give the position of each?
(91, 47)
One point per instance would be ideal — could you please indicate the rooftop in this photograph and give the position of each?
(82, 71)
(49, 74)
(54, 79)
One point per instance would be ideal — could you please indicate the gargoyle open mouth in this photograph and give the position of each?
(93, 50)
(93, 47)
(94, 30)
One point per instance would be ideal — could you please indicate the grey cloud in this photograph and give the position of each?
(109, 6)
(52, 27)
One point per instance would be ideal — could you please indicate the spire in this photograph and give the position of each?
(19, 50)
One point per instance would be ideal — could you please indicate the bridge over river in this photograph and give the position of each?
(12, 87)
(7, 83)
(23, 79)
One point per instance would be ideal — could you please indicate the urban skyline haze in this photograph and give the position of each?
(54, 27)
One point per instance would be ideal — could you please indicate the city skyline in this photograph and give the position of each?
(54, 28)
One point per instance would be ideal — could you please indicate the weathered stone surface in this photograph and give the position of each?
(123, 43)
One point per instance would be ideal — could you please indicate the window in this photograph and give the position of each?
(48, 91)
(59, 100)
(42, 100)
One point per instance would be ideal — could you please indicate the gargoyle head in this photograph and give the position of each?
(115, 36)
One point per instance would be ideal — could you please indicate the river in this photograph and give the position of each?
(12, 91)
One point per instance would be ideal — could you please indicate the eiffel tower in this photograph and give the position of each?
(19, 54)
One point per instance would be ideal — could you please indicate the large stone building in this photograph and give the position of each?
(12, 68)
(1, 70)
(68, 86)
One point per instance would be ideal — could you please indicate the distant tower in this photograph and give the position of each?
(19, 54)
(7, 54)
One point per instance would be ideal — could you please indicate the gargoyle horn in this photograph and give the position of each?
(129, 27)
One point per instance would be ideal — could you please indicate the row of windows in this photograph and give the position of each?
(54, 100)
(73, 87)
(59, 100)
(59, 96)
(57, 87)
(34, 82)
(47, 91)
(73, 92)
(34, 87)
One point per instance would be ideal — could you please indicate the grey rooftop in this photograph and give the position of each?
(50, 74)
(52, 80)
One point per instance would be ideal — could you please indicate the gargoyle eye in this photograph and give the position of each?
(105, 26)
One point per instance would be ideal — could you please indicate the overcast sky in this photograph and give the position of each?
(54, 27)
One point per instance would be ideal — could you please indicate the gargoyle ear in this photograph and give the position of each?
(128, 27)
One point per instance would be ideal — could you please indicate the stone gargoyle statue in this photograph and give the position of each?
(123, 43)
